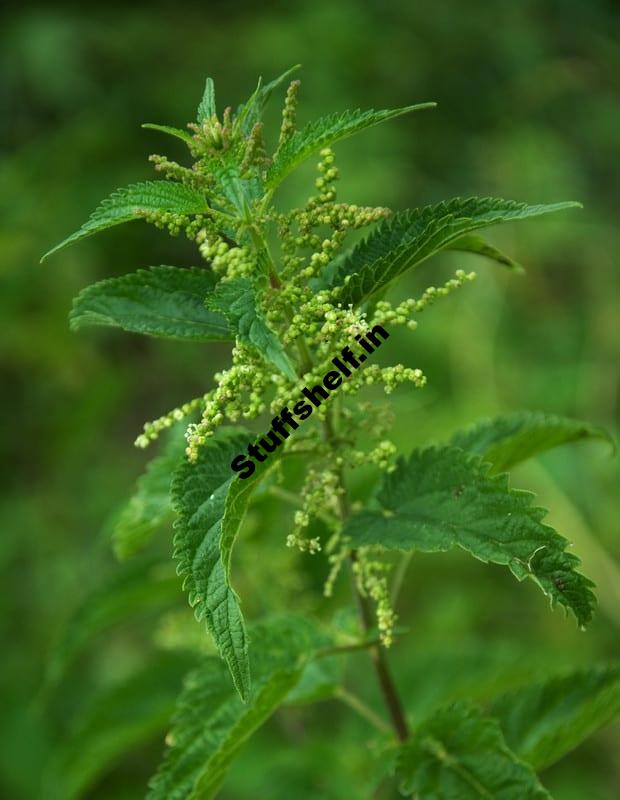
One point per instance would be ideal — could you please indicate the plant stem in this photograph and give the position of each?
(377, 653)
(399, 577)
(387, 686)
(304, 353)
(294, 500)
(263, 252)
(354, 702)
(288, 497)
(346, 648)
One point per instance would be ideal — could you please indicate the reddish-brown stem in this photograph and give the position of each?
(377, 653)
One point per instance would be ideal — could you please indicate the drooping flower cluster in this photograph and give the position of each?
(320, 490)
(372, 581)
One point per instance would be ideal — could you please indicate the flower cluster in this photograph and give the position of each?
(255, 153)
(385, 312)
(212, 136)
(288, 254)
(231, 262)
(152, 429)
(239, 394)
(303, 230)
(372, 581)
(289, 112)
(320, 490)
(173, 171)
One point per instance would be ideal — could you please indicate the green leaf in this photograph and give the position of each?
(324, 132)
(319, 680)
(458, 754)
(150, 506)
(251, 112)
(116, 721)
(125, 205)
(206, 108)
(544, 721)
(237, 300)
(238, 191)
(509, 439)
(410, 237)
(210, 501)
(441, 498)
(176, 132)
(479, 670)
(472, 243)
(136, 588)
(166, 302)
(323, 676)
(212, 723)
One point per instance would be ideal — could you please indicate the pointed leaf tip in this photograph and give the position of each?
(207, 107)
(178, 133)
(324, 132)
(408, 238)
(128, 203)
(166, 302)
(509, 439)
(443, 498)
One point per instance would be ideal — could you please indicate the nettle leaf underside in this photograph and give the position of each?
(125, 205)
(476, 245)
(410, 237)
(166, 302)
(443, 497)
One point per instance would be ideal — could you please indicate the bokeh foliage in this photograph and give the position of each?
(528, 108)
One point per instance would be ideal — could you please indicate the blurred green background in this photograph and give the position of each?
(529, 109)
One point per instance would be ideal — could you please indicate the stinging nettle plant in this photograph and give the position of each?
(290, 289)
